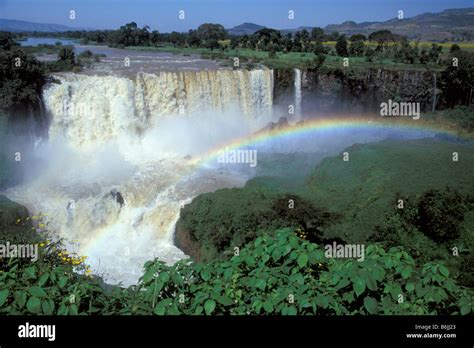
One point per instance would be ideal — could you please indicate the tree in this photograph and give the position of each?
(358, 37)
(302, 40)
(21, 85)
(268, 38)
(406, 53)
(210, 31)
(320, 49)
(155, 37)
(193, 39)
(333, 36)
(66, 56)
(341, 46)
(454, 48)
(457, 80)
(317, 34)
(434, 53)
(357, 48)
(177, 39)
(424, 56)
(6, 40)
(383, 38)
(369, 54)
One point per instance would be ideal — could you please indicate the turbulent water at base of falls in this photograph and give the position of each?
(111, 134)
(298, 96)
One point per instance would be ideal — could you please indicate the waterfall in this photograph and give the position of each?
(113, 134)
(298, 96)
(87, 109)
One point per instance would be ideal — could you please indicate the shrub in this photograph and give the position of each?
(440, 214)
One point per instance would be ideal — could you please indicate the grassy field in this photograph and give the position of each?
(468, 46)
(288, 60)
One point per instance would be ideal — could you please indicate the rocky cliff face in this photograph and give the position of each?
(184, 241)
(14, 226)
(340, 91)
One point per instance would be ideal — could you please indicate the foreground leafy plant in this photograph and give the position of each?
(280, 274)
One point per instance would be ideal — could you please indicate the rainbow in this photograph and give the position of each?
(322, 126)
(314, 126)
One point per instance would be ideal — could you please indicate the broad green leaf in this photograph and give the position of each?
(164, 277)
(359, 286)
(250, 261)
(224, 300)
(160, 308)
(37, 291)
(30, 272)
(34, 305)
(371, 282)
(209, 306)
(47, 307)
(3, 296)
(370, 304)
(205, 275)
(465, 310)
(406, 272)
(43, 279)
(261, 284)
(62, 281)
(444, 271)
(268, 306)
(73, 310)
(302, 260)
(322, 301)
(20, 298)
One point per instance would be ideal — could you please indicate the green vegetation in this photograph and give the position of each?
(362, 195)
(364, 186)
(460, 118)
(21, 78)
(229, 218)
(279, 274)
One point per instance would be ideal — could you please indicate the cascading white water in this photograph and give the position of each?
(298, 97)
(93, 109)
(112, 134)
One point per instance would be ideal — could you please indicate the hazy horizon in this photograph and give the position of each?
(163, 16)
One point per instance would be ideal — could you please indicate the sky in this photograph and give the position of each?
(163, 15)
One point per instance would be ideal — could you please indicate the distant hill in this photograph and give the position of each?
(17, 26)
(453, 24)
(447, 25)
(245, 29)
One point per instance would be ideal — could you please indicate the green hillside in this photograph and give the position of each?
(353, 201)
(365, 186)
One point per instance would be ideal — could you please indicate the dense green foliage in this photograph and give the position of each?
(363, 187)
(460, 118)
(362, 193)
(21, 79)
(230, 218)
(458, 78)
(279, 274)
